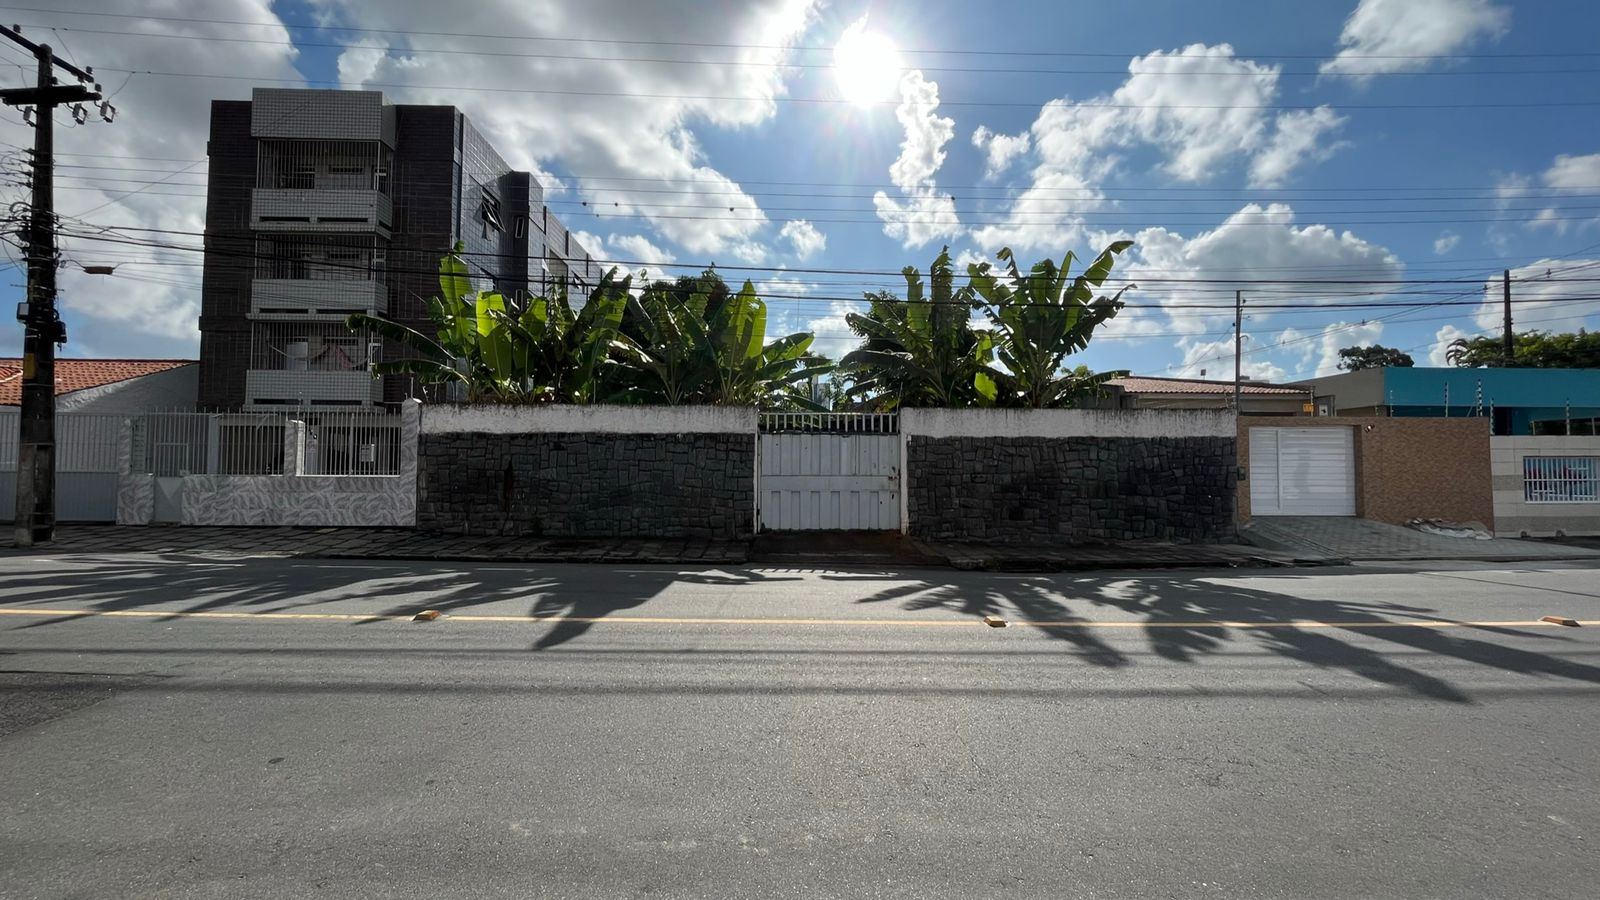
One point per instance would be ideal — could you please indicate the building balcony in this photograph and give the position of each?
(300, 209)
(280, 388)
(310, 296)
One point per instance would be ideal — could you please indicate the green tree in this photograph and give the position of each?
(922, 351)
(1377, 356)
(1532, 350)
(1039, 320)
(542, 353)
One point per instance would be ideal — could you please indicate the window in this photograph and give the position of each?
(1561, 479)
(490, 211)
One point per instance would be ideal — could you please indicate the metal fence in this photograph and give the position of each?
(830, 423)
(1561, 479)
(85, 442)
(238, 443)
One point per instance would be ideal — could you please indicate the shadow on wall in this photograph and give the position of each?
(1178, 616)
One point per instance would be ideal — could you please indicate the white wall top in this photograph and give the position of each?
(1062, 423)
(591, 419)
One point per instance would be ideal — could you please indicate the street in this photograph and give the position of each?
(194, 726)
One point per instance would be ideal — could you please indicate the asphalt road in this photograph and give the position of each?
(193, 727)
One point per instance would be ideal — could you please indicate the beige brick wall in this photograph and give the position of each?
(1405, 468)
(1513, 515)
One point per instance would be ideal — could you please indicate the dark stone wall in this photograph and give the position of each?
(588, 485)
(1071, 490)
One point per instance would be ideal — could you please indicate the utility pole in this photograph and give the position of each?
(42, 329)
(1510, 349)
(1238, 348)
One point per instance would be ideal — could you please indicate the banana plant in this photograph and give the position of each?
(677, 353)
(922, 351)
(543, 353)
(1037, 322)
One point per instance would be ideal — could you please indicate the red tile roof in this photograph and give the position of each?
(82, 374)
(1140, 384)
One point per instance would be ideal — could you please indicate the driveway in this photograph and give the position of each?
(1365, 539)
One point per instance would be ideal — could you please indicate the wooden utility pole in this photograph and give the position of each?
(42, 329)
(1510, 348)
(1238, 348)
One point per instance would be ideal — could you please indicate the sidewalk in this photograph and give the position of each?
(381, 543)
(1363, 539)
(812, 549)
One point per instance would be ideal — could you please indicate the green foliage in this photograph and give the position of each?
(1377, 356)
(922, 351)
(926, 351)
(545, 353)
(691, 348)
(1038, 321)
(1533, 350)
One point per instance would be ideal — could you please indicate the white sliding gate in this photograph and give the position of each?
(86, 466)
(829, 472)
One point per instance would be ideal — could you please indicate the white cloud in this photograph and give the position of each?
(148, 309)
(1200, 125)
(1298, 138)
(1256, 242)
(804, 237)
(1445, 242)
(358, 62)
(1214, 360)
(1383, 36)
(923, 214)
(637, 249)
(1574, 173)
(1339, 335)
(1441, 344)
(1000, 150)
(1540, 295)
(641, 118)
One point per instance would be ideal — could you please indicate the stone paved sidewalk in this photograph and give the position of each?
(888, 551)
(1129, 555)
(1363, 539)
(381, 543)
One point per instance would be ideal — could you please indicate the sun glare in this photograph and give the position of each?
(866, 65)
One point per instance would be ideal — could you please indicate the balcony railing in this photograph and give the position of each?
(308, 296)
(293, 209)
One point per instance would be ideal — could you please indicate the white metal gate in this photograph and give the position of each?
(1302, 472)
(829, 472)
(86, 466)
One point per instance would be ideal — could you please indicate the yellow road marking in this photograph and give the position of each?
(689, 620)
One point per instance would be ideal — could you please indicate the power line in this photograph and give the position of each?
(1232, 214)
(840, 101)
(821, 298)
(789, 64)
(1263, 193)
(896, 273)
(572, 39)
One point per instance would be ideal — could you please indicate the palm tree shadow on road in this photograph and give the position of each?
(1186, 619)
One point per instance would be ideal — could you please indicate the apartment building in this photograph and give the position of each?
(321, 203)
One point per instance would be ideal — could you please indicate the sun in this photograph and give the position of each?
(866, 65)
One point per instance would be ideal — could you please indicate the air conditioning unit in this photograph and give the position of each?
(374, 354)
(298, 353)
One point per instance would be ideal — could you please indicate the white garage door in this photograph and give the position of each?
(1302, 472)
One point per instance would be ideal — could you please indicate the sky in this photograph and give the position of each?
(1362, 170)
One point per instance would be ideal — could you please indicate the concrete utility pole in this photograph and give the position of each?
(1238, 348)
(1510, 349)
(42, 329)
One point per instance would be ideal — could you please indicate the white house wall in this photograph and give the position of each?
(173, 389)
